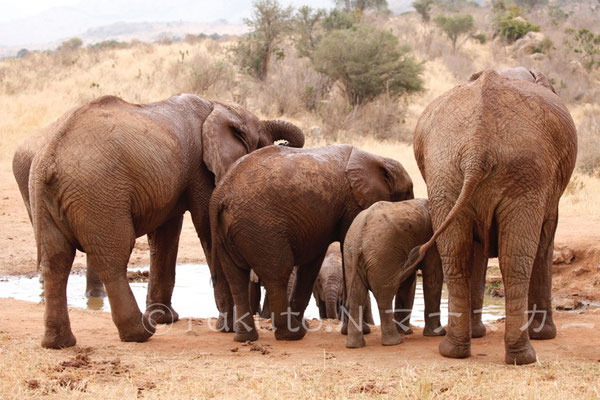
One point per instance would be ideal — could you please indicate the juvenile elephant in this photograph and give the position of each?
(329, 286)
(376, 247)
(496, 154)
(111, 171)
(281, 207)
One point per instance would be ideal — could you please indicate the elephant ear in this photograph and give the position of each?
(542, 79)
(369, 178)
(228, 133)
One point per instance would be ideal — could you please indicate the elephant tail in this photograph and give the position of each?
(472, 178)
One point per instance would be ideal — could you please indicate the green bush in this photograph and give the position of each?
(307, 32)
(455, 26)
(512, 28)
(361, 5)
(480, 37)
(70, 45)
(423, 7)
(544, 46)
(586, 45)
(368, 62)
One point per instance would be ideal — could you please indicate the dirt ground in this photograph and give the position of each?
(187, 360)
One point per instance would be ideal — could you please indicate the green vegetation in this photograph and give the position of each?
(544, 46)
(586, 45)
(423, 7)
(70, 45)
(270, 22)
(480, 37)
(455, 26)
(361, 5)
(368, 62)
(511, 27)
(307, 30)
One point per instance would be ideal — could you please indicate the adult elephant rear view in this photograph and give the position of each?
(111, 171)
(497, 154)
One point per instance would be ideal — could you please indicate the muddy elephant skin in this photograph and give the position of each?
(376, 247)
(279, 207)
(497, 154)
(111, 171)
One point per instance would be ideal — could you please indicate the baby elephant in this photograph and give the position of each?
(376, 246)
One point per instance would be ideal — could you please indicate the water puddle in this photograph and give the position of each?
(193, 296)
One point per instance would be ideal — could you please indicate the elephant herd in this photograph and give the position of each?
(496, 154)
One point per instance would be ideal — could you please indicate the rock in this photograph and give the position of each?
(538, 57)
(567, 304)
(528, 43)
(563, 255)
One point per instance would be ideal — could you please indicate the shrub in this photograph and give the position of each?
(512, 28)
(544, 46)
(362, 5)
(586, 45)
(23, 53)
(70, 45)
(423, 7)
(306, 30)
(269, 23)
(108, 44)
(480, 37)
(339, 19)
(455, 26)
(368, 62)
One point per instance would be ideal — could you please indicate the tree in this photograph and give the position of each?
(307, 34)
(423, 7)
(368, 62)
(269, 23)
(361, 5)
(455, 26)
(587, 46)
(70, 45)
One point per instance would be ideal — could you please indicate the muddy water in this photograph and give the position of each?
(193, 296)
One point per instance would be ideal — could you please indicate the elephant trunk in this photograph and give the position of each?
(331, 292)
(281, 130)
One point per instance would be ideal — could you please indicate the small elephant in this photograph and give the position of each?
(496, 155)
(111, 171)
(280, 207)
(376, 247)
(329, 287)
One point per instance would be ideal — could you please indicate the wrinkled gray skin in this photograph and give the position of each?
(376, 247)
(255, 295)
(329, 287)
(307, 199)
(496, 154)
(111, 171)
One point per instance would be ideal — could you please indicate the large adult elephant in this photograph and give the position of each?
(111, 171)
(497, 154)
(305, 200)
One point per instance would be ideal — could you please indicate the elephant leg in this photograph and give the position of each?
(455, 248)
(390, 324)
(433, 280)
(108, 256)
(266, 308)
(93, 286)
(478, 290)
(223, 297)
(540, 287)
(254, 296)
(163, 243)
(405, 297)
(368, 314)
(56, 260)
(306, 275)
(288, 325)
(518, 237)
(238, 276)
(354, 321)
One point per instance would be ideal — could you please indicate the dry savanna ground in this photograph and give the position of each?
(187, 360)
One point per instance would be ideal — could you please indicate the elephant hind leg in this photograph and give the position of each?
(93, 285)
(405, 297)
(354, 320)
(108, 256)
(163, 243)
(540, 287)
(56, 259)
(518, 236)
(478, 290)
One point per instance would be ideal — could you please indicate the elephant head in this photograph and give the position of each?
(373, 178)
(230, 132)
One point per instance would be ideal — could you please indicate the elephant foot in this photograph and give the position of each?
(287, 334)
(449, 348)
(246, 336)
(404, 329)
(161, 313)
(438, 331)
(225, 324)
(477, 329)
(366, 329)
(138, 332)
(95, 293)
(355, 342)
(521, 357)
(391, 340)
(58, 340)
(542, 332)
